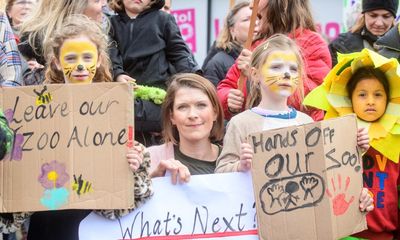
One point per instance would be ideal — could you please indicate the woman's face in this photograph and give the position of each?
(193, 114)
(94, 9)
(379, 21)
(240, 29)
(20, 10)
(78, 60)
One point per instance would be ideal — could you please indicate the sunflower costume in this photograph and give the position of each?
(332, 97)
(381, 162)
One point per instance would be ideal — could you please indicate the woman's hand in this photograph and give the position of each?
(179, 172)
(243, 62)
(246, 157)
(235, 100)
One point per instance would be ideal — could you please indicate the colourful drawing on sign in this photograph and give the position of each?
(340, 205)
(52, 178)
(81, 186)
(129, 144)
(53, 175)
(43, 97)
(54, 198)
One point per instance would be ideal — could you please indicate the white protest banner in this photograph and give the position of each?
(208, 207)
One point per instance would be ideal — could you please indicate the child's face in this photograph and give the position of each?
(369, 99)
(280, 73)
(78, 60)
(193, 114)
(134, 7)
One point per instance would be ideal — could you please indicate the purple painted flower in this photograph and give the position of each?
(9, 114)
(17, 148)
(53, 175)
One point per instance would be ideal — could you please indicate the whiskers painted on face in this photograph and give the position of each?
(274, 79)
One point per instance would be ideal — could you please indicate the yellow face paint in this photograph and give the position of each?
(78, 60)
(280, 72)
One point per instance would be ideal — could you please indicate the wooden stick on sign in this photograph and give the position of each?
(249, 39)
(231, 4)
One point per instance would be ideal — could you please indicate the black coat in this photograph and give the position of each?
(218, 65)
(144, 47)
(389, 44)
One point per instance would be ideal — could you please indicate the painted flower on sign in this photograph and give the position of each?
(53, 175)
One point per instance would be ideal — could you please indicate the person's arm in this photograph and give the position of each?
(177, 51)
(224, 87)
(10, 59)
(229, 159)
(115, 56)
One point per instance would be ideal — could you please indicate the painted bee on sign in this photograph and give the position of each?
(43, 96)
(81, 186)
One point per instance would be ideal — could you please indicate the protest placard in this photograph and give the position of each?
(69, 147)
(307, 181)
(211, 206)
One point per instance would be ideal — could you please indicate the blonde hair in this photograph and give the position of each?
(191, 80)
(259, 57)
(225, 39)
(285, 16)
(360, 24)
(75, 26)
(48, 16)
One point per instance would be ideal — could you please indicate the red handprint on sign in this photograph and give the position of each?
(340, 205)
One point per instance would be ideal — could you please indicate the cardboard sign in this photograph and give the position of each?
(70, 147)
(307, 181)
(215, 206)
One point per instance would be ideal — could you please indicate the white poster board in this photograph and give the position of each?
(208, 207)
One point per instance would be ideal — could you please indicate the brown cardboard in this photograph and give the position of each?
(70, 136)
(292, 200)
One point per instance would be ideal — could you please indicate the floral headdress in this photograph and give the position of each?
(332, 97)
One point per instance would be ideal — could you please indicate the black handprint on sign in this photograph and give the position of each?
(275, 191)
(308, 184)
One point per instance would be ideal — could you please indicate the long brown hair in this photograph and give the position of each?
(190, 80)
(285, 16)
(75, 26)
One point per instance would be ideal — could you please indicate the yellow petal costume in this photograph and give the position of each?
(332, 97)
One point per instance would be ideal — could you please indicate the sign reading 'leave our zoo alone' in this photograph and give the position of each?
(69, 147)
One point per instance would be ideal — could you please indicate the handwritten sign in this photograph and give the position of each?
(69, 147)
(308, 179)
(208, 207)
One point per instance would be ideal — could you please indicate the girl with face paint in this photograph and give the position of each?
(77, 55)
(277, 70)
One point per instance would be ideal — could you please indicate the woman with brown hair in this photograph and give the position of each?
(192, 121)
(294, 19)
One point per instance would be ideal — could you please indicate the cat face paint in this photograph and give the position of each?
(280, 73)
(78, 60)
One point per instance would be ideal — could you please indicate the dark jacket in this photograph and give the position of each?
(350, 42)
(216, 68)
(143, 47)
(27, 50)
(389, 44)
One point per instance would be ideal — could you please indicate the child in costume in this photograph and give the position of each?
(367, 84)
(276, 72)
(77, 55)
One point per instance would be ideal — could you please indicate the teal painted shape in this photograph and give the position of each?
(54, 198)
